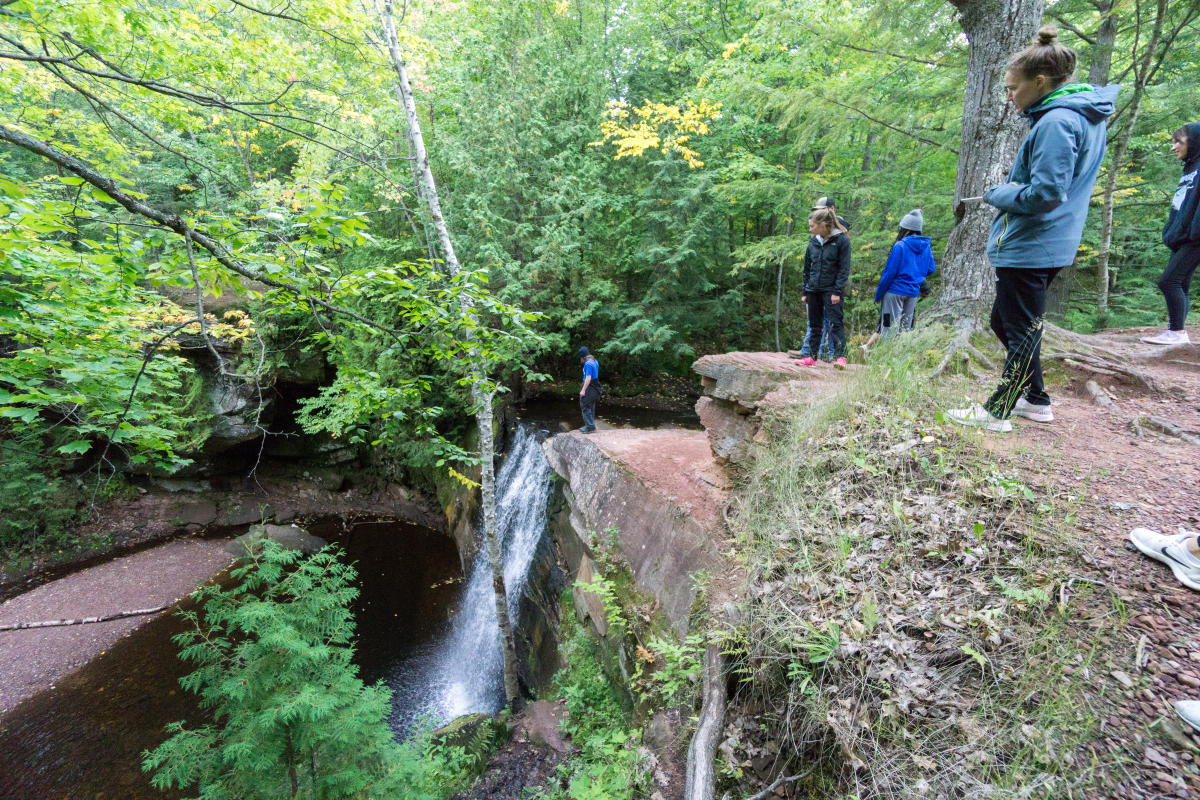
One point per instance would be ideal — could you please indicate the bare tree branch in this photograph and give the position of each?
(890, 126)
(177, 224)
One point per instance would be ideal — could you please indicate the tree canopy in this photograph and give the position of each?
(633, 176)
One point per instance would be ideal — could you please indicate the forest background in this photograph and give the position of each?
(631, 176)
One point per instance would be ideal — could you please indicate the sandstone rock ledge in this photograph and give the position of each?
(740, 389)
(661, 490)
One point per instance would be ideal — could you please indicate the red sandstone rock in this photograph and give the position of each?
(661, 490)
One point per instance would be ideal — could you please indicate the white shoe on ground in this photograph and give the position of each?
(1168, 337)
(1172, 551)
(1189, 712)
(1028, 410)
(979, 417)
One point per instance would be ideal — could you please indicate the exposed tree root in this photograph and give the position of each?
(1085, 354)
(1168, 428)
(1100, 397)
(1110, 368)
(960, 347)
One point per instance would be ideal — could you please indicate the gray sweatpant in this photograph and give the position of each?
(896, 314)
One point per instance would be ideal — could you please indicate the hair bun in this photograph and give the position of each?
(1047, 35)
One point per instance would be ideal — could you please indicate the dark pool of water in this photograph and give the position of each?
(411, 581)
(554, 413)
(83, 739)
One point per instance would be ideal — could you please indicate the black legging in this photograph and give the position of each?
(1175, 282)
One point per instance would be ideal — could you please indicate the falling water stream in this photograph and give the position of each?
(463, 672)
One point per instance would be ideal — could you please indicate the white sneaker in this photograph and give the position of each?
(1189, 712)
(1028, 410)
(1172, 551)
(1168, 337)
(979, 417)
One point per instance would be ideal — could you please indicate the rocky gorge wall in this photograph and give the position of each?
(662, 493)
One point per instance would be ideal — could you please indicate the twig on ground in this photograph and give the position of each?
(770, 789)
(58, 623)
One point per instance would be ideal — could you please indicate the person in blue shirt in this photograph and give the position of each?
(908, 265)
(589, 393)
(1040, 214)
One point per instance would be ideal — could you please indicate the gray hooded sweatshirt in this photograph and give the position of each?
(1044, 205)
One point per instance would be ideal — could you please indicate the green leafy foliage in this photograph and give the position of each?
(36, 506)
(289, 715)
(75, 328)
(668, 672)
(606, 765)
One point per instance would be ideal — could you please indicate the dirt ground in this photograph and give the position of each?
(1125, 478)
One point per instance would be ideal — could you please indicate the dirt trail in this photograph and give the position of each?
(1127, 479)
(33, 660)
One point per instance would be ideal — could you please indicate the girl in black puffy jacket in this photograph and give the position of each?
(1182, 235)
(826, 273)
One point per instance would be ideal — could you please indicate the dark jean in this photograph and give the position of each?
(587, 406)
(825, 322)
(1175, 282)
(1017, 321)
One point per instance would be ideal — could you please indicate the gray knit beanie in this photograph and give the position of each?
(913, 221)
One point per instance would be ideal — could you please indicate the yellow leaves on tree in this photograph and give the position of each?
(233, 326)
(657, 126)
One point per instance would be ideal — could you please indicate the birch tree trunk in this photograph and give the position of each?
(791, 222)
(991, 132)
(480, 395)
(1141, 75)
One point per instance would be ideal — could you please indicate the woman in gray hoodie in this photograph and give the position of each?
(1039, 220)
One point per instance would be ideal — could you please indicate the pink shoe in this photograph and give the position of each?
(807, 361)
(840, 362)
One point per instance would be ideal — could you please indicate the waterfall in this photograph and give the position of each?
(463, 673)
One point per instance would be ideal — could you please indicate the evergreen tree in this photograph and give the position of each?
(290, 716)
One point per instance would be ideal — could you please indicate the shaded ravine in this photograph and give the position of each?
(83, 737)
(424, 630)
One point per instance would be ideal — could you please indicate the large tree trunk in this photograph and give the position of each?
(991, 132)
(480, 395)
(1141, 77)
(1059, 293)
(1106, 37)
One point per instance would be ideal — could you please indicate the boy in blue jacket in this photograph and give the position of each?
(908, 265)
(1182, 235)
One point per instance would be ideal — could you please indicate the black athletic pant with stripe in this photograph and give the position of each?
(1017, 321)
